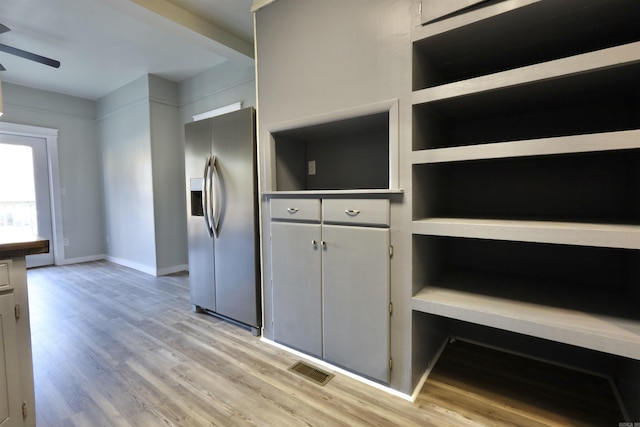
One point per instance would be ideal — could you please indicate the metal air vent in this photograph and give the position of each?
(311, 373)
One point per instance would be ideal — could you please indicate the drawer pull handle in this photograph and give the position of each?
(352, 212)
(292, 210)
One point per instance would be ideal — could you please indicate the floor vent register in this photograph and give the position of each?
(311, 373)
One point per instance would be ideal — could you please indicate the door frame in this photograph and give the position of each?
(50, 136)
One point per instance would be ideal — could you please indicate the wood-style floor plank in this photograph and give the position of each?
(116, 347)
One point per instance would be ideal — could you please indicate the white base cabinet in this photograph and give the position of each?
(10, 403)
(17, 401)
(331, 282)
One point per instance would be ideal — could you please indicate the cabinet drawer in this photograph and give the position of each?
(4, 274)
(296, 209)
(356, 211)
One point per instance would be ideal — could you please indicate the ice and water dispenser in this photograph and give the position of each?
(195, 186)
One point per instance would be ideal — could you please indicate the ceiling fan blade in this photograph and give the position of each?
(4, 29)
(31, 56)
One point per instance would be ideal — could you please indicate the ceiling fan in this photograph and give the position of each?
(24, 54)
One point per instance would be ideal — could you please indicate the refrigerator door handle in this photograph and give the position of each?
(206, 196)
(217, 196)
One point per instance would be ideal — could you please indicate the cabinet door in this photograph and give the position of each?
(355, 281)
(10, 406)
(297, 298)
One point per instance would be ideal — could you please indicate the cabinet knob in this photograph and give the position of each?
(323, 244)
(352, 212)
(314, 243)
(292, 210)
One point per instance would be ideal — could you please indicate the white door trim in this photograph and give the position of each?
(51, 137)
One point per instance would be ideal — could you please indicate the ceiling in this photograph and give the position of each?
(104, 44)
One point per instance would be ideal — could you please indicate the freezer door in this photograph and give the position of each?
(236, 256)
(201, 267)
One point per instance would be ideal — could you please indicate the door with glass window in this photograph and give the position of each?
(25, 204)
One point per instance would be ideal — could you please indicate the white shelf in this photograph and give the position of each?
(567, 233)
(603, 330)
(588, 62)
(605, 141)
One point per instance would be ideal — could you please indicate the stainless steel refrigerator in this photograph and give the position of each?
(220, 166)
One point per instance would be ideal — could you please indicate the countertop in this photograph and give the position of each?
(15, 244)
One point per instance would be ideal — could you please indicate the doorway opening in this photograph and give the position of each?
(30, 188)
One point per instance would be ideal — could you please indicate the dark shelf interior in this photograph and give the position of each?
(585, 187)
(593, 280)
(603, 101)
(532, 34)
(348, 154)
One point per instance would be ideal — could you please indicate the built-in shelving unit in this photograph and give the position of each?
(526, 170)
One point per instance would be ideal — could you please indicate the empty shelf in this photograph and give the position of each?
(605, 141)
(456, 297)
(568, 233)
(560, 68)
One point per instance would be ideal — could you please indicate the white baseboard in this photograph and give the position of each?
(344, 372)
(172, 269)
(131, 264)
(79, 260)
(145, 268)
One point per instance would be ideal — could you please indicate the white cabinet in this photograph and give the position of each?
(331, 281)
(10, 389)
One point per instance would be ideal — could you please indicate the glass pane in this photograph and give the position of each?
(17, 190)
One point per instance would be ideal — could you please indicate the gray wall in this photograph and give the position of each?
(167, 159)
(217, 87)
(125, 142)
(143, 164)
(225, 84)
(121, 161)
(79, 161)
(141, 132)
(319, 57)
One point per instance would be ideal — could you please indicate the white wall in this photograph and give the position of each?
(79, 161)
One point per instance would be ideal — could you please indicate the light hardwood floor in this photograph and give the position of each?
(116, 347)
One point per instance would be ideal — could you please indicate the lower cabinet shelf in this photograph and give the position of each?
(594, 319)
